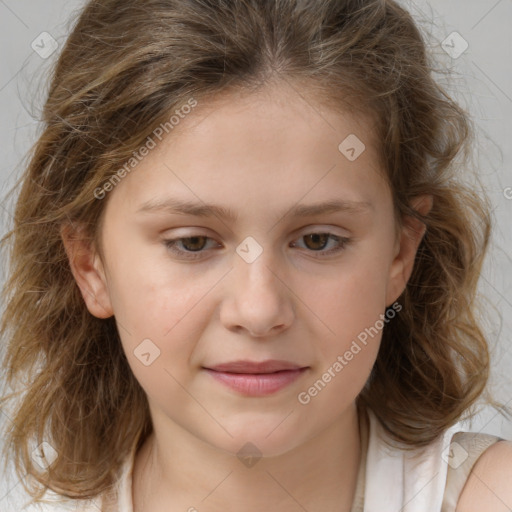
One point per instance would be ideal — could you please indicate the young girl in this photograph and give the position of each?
(244, 268)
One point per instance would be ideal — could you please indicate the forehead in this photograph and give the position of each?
(283, 109)
(263, 148)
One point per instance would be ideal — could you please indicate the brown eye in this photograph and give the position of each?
(190, 247)
(194, 243)
(316, 241)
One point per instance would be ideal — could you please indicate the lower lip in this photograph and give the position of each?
(257, 384)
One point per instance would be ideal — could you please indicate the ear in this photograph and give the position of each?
(406, 247)
(87, 269)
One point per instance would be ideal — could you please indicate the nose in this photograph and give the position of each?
(257, 300)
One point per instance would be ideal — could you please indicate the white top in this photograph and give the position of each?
(389, 479)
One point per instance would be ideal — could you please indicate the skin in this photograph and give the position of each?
(488, 485)
(258, 154)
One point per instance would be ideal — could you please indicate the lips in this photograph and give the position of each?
(253, 367)
(251, 378)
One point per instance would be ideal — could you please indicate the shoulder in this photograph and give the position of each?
(488, 485)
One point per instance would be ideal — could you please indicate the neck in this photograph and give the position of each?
(177, 471)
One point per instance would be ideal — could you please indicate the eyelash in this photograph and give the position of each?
(170, 244)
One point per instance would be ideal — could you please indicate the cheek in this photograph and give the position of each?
(352, 310)
(351, 306)
(161, 313)
(350, 299)
(149, 292)
(162, 329)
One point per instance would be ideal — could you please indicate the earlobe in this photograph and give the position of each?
(410, 238)
(88, 271)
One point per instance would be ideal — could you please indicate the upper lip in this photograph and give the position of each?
(243, 366)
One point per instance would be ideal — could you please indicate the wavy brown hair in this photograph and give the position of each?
(125, 67)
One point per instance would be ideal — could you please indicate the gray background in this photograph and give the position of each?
(482, 83)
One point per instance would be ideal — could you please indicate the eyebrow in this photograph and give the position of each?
(174, 205)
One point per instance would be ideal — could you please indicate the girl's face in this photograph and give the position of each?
(260, 283)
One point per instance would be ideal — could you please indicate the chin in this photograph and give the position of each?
(258, 443)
